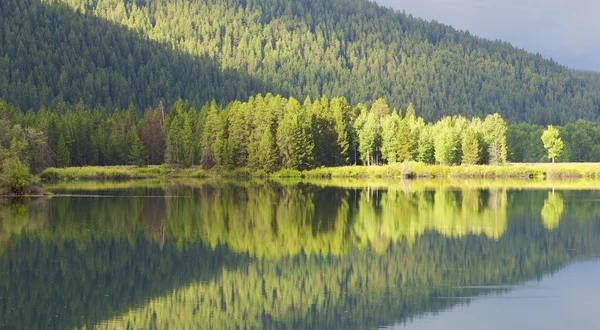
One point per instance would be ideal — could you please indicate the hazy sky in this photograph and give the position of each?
(566, 30)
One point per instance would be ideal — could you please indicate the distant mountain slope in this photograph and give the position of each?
(351, 48)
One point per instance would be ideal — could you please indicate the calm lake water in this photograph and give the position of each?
(302, 255)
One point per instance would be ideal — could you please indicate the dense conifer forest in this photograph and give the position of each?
(114, 53)
(272, 84)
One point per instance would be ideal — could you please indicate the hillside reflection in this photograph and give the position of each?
(276, 254)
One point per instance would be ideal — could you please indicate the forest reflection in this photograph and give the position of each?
(276, 254)
(264, 219)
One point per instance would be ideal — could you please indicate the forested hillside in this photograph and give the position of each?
(113, 53)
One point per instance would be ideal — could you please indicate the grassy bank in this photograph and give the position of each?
(118, 173)
(420, 170)
(405, 170)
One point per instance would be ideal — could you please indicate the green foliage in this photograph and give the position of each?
(14, 177)
(63, 155)
(102, 173)
(446, 142)
(267, 150)
(405, 140)
(494, 136)
(113, 53)
(137, 151)
(295, 137)
(552, 142)
(524, 143)
(366, 127)
(426, 146)
(389, 138)
(211, 138)
(471, 147)
(272, 132)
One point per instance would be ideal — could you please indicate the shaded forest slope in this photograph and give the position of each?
(50, 54)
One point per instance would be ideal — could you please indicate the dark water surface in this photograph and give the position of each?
(302, 255)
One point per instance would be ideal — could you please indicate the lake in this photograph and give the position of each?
(291, 254)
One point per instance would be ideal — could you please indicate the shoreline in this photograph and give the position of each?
(412, 170)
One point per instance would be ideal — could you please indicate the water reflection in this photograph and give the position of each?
(277, 254)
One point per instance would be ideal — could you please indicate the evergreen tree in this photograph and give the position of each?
(116, 149)
(405, 140)
(211, 132)
(174, 150)
(137, 151)
(187, 140)
(426, 147)
(63, 156)
(294, 137)
(341, 115)
(268, 155)
(239, 131)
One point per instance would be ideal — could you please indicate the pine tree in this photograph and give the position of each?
(63, 156)
(137, 152)
(426, 148)
(405, 140)
(174, 141)
(211, 131)
(116, 149)
(239, 132)
(187, 141)
(294, 137)
(267, 150)
(341, 111)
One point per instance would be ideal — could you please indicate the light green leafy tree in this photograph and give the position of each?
(366, 140)
(494, 136)
(471, 147)
(552, 142)
(446, 142)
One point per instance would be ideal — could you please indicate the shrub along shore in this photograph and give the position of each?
(399, 171)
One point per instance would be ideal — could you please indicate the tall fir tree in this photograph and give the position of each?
(63, 156)
(137, 152)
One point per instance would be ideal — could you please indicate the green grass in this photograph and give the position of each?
(395, 171)
(103, 173)
(421, 170)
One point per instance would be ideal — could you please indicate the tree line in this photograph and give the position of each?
(266, 133)
(271, 132)
(113, 53)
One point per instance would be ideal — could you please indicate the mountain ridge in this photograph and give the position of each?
(351, 48)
